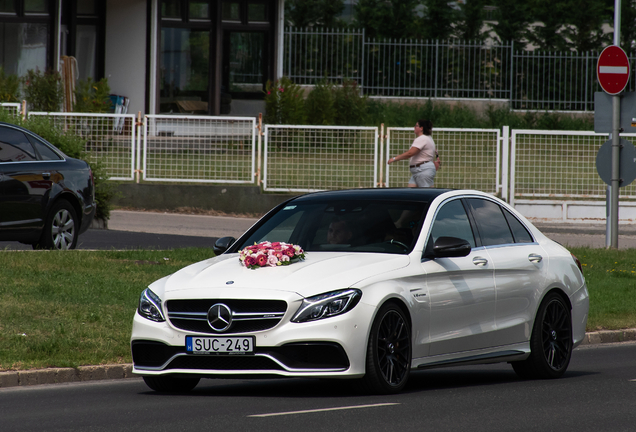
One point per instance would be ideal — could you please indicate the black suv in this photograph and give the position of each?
(47, 199)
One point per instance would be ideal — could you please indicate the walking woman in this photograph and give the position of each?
(421, 156)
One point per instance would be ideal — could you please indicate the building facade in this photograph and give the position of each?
(166, 56)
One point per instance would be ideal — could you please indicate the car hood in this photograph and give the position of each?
(319, 272)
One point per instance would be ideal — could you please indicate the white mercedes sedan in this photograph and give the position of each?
(370, 285)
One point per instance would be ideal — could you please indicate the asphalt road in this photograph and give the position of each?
(151, 230)
(598, 393)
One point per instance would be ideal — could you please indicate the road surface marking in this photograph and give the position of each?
(323, 410)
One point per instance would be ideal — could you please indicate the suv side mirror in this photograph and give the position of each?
(448, 247)
(223, 244)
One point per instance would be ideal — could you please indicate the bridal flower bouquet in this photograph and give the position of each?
(270, 254)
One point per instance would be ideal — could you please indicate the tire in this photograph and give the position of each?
(550, 343)
(169, 384)
(388, 362)
(61, 228)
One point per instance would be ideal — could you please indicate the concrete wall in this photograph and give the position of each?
(226, 199)
(126, 51)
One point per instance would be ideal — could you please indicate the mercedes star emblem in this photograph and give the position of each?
(220, 317)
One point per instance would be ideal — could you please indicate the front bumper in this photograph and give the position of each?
(332, 347)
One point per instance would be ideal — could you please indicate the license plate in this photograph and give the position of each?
(219, 345)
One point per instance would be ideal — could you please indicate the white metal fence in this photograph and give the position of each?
(545, 174)
(311, 158)
(553, 177)
(471, 158)
(12, 107)
(200, 149)
(110, 138)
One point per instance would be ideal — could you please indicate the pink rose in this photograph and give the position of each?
(272, 261)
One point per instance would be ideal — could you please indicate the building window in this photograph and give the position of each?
(184, 73)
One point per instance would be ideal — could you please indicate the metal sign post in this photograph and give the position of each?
(612, 71)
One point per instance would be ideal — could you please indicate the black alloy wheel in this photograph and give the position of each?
(60, 228)
(551, 341)
(388, 363)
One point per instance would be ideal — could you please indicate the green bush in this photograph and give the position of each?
(43, 91)
(284, 103)
(9, 87)
(73, 146)
(320, 104)
(92, 97)
(350, 106)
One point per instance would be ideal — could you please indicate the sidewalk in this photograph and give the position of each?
(568, 234)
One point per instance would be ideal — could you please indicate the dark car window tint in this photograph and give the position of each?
(9, 153)
(518, 230)
(491, 222)
(18, 140)
(45, 152)
(451, 221)
(355, 226)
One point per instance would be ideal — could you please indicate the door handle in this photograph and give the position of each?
(46, 175)
(535, 258)
(479, 261)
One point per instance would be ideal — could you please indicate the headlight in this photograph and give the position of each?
(327, 305)
(150, 306)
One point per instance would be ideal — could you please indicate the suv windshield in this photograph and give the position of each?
(355, 225)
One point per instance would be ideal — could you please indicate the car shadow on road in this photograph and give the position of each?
(437, 379)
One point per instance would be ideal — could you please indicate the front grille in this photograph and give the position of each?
(247, 315)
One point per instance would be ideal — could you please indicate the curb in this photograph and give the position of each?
(609, 336)
(119, 371)
(64, 375)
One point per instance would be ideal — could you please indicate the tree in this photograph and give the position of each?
(387, 18)
(628, 25)
(547, 35)
(585, 25)
(513, 17)
(437, 20)
(307, 13)
(470, 20)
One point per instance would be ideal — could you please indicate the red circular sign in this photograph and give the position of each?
(612, 69)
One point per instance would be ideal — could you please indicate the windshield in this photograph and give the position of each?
(355, 225)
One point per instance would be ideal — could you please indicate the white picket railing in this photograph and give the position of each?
(547, 175)
(200, 149)
(110, 138)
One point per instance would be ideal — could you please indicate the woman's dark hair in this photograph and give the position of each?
(427, 125)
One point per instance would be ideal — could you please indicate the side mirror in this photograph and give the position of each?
(223, 244)
(449, 247)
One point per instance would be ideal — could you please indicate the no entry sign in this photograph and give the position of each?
(612, 69)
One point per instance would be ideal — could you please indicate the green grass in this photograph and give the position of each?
(76, 308)
(67, 309)
(611, 281)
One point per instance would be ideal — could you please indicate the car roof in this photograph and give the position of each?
(383, 194)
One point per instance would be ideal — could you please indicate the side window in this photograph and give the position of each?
(451, 221)
(491, 222)
(519, 231)
(14, 146)
(46, 152)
